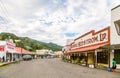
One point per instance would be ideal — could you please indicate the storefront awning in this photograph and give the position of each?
(22, 51)
(88, 48)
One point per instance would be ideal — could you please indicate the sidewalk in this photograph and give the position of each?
(118, 70)
(6, 63)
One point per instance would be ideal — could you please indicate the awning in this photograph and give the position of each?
(22, 51)
(18, 50)
(88, 48)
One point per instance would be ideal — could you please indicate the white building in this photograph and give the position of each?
(115, 35)
(58, 53)
(98, 48)
(42, 52)
(6, 50)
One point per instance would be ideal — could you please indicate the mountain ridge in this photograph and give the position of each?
(28, 43)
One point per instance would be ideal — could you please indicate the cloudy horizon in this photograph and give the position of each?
(54, 20)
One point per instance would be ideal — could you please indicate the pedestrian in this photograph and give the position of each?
(3, 59)
(113, 65)
(0, 59)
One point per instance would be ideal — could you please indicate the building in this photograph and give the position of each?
(20, 52)
(7, 49)
(9, 52)
(87, 48)
(97, 49)
(42, 53)
(115, 35)
(58, 54)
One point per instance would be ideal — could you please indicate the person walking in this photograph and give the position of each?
(113, 65)
(3, 59)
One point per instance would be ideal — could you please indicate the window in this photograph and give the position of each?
(102, 57)
(117, 56)
(117, 25)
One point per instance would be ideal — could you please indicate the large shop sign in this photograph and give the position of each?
(10, 46)
(92, 38)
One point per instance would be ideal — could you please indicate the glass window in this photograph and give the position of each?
(117, 25)
(102, 57)
(117, 56)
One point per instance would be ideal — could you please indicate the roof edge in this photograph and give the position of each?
(115, 7)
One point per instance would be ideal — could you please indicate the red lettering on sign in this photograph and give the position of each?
(102, 36)
(10, 46)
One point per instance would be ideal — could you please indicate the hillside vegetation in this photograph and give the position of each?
(29, 44)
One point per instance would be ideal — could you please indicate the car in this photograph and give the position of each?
(27, 57)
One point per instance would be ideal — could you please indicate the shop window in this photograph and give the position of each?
(117, 25)
(102, 57)
(117, 56)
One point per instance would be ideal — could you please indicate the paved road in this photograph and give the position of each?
(52, 68)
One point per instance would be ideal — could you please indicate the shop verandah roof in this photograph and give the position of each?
(22, 51)
(87, 48)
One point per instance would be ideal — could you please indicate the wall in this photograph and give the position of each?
(8, 47)
(115, 37)
(2, 53)
(115, 16)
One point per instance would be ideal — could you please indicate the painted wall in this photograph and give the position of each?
(2, 53)
(8, 47)
(115, 38)
(115, 16)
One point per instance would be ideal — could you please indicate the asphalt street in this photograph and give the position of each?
(52, 68)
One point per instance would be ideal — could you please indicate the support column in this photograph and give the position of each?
(95, 58)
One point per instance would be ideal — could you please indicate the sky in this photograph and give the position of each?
(54, 20)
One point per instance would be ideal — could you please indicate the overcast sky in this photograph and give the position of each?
(54, 20)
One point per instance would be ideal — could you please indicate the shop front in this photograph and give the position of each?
(115, 35)
(87, 50)
(103, 59)
(9, 57)
(6, 50)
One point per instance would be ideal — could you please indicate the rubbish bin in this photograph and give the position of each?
(110, 69)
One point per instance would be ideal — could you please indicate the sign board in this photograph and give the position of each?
(10, 46)
(92, 38)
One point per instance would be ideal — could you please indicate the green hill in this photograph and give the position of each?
(29, 44)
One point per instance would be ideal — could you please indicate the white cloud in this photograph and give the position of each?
(49, 20)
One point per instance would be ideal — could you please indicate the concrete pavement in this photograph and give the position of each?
(53, 68)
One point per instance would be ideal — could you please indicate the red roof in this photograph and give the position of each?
(18, 50)
(23, 51)
(88, 48)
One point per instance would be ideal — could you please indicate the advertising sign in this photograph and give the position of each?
(92, 38)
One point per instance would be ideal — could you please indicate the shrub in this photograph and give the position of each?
(77, 60)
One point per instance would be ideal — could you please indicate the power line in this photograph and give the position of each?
(5, 11)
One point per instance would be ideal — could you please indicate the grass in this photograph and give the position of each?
(6, 65)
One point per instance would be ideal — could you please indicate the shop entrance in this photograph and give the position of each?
(91, 60)
(103, 59)
(8, 57)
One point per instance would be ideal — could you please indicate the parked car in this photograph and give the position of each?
(27, 57)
